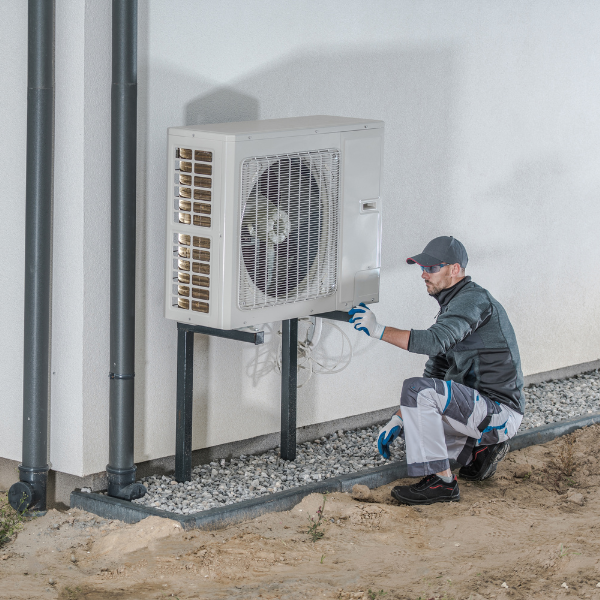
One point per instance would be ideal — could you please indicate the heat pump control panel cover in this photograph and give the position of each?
(271, 220)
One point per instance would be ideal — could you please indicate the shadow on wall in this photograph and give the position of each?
(539, 209)
(412, 90)
(224, 105)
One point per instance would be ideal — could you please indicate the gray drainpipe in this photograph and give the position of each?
(121, 467)
(30, 492)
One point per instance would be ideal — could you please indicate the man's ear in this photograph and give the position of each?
(456, 270)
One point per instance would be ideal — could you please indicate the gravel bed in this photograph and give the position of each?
(245, 477)
(561, 399)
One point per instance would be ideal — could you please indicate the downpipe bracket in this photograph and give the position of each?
(122, 484)
(112, 375)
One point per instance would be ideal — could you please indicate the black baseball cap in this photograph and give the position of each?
(443, 249)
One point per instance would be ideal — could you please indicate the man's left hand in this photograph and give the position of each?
(388, 434)
(365, 320)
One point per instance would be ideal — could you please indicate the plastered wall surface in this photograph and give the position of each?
(13, 116)
(491, 135)
(67, 351)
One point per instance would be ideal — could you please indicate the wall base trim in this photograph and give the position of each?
(563, 372)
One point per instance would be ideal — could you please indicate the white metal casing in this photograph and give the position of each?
(360, 145)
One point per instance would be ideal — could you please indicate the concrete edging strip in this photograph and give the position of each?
(216, 518)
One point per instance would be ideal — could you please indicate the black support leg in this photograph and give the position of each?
(185, 398)
(289, 389)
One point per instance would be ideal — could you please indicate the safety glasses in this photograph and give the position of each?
(434, 269)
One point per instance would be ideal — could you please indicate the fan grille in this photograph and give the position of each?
(289, 228)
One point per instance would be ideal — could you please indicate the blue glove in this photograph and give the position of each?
(365, 320)
(388, 434)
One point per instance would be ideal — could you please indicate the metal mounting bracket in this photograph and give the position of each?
(185, 385)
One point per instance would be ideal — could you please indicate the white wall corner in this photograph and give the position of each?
(96, 215)
(66, 431)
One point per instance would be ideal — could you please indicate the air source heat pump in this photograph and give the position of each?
(272, 220)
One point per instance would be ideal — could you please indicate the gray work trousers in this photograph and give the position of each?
(444, 420)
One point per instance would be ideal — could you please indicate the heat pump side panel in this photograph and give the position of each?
(360, 243)
(237, 152)
(194, 221)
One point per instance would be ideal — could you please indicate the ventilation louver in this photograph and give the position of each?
(191, 271)
(193, 187)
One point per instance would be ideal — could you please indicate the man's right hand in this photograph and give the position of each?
(388, 434)
(364, 320)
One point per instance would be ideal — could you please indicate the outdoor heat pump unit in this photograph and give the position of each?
(272, 220)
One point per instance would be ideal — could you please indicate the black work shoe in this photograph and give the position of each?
(429, 490)
(485, 461)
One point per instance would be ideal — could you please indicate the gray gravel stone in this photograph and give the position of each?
(224, 482)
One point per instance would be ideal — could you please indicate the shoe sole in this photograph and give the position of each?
(489, 467)
(424, 502)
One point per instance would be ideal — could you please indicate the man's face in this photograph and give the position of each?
(436, 282)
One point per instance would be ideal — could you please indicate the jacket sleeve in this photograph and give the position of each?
(464, 315)
(436, 367)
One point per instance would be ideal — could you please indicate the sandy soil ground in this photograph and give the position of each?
(532, 531)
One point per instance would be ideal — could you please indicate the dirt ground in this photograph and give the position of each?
(532, 531)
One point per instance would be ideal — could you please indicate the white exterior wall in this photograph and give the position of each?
(13, 118)
(492, 136)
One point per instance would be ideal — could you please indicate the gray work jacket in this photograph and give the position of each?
(472, 342)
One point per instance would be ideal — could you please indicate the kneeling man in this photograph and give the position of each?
(469, 401)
